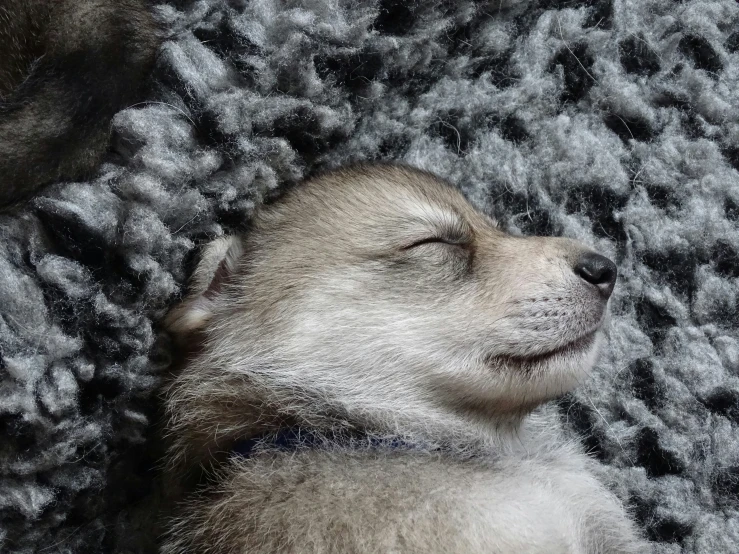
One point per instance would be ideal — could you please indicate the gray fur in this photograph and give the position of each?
(376, 299)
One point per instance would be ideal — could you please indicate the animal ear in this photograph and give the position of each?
(218, 260)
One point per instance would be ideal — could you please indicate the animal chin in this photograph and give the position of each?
(574, 348)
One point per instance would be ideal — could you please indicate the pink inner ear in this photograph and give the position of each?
(219, 277)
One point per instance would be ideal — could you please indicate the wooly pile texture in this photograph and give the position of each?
(612, 121)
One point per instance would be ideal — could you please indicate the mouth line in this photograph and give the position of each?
(578, 345)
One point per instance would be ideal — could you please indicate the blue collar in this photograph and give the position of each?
(295, 438)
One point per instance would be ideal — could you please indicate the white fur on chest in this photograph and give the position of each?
(398, 500)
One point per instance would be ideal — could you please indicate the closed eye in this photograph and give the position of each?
(435, 240)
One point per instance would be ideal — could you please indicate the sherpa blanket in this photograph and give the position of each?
(612, 121)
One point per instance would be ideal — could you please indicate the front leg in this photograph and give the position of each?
(606, 527)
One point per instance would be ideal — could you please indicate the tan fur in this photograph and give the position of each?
(376, 300)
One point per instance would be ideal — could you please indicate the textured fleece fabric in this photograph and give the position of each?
(612, 121)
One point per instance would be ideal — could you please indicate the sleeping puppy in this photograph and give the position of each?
(363, 366)
(66, 68)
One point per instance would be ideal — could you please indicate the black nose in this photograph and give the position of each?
(599, 271)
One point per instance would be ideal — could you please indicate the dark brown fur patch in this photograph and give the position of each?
(71, 65)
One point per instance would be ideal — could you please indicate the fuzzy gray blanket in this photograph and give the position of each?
(613, 121)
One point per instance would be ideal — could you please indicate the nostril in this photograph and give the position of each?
(597, 270)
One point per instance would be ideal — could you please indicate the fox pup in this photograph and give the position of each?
(362, 371)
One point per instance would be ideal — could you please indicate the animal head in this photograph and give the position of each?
(380, 292)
